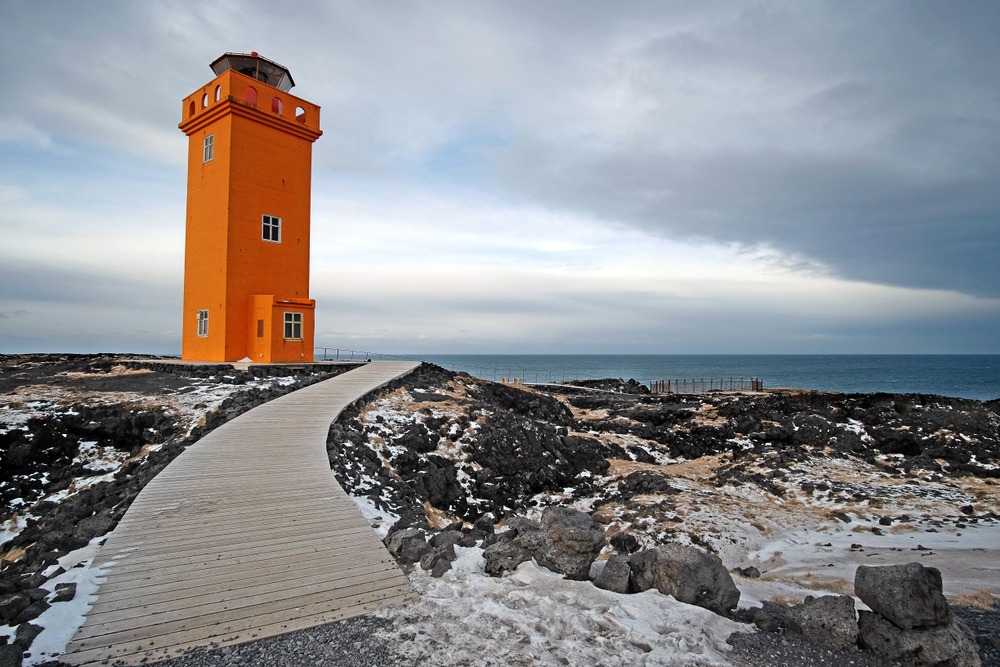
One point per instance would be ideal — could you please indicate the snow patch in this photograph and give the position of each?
(535, 616)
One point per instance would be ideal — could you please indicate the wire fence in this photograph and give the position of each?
(343, 354)
(514, 375)
(704, 385)
(496, 374)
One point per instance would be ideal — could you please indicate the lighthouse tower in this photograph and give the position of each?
(246, 252)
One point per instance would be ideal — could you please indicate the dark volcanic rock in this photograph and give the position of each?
(33, 611)
(573, 542)
(615, 575)
(748, 572)
(440, 567)
(442, 552)
(408, 545)
(26, 633)
(690, 575)
(447, 537)
(503, 557)
(828, 620)
(64, 592)
(951, 645)
(485, 524)
(625, 543)
(645, 482)
(908, 595)
(11, 606)
(10, 655)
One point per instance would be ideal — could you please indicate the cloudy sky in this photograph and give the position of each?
(522, 177)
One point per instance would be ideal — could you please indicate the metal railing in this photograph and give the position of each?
(511, 375)
(705, 385)
(343, 354)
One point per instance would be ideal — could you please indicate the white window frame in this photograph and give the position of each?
(202, 318)
(293, 325)
(209, 148)
(270, 228)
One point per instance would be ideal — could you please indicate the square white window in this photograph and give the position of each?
(271, 229)
(293, 326)
(209, 148)
(202, 323)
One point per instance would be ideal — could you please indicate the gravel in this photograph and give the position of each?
(348, 643)
(986, 626)
(353, 643)
(774, 650)
(766, 649)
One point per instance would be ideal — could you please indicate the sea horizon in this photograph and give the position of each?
(974, 376)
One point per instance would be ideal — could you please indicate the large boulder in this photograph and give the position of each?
(407, 545)
(908, 595)
(448, 537)
(10, 655)
(566, 541)
(828, 621)
(952, 644)
(615, 575)
(485, 524)
(573, 541)
(11, 606)
(444, 552)
(504, 557)
(690, 575)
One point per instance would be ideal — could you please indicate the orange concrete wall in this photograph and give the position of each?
(292, 350)
(262, 165)
(260, 309)
(205, 243)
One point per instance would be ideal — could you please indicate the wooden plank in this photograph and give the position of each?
(143, 614)
(222, 581)
(245, 534)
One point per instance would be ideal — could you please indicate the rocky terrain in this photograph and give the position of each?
(80, 435)
(768, 501)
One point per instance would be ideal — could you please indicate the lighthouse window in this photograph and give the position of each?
(202, 323)
(271, 229)
(209, 148)
(293, 326)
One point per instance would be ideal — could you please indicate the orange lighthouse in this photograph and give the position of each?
(246, 252)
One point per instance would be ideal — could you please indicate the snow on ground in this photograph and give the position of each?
(188, 406)
(536, 617)
(825, 560)
(63, 619)
(379, 520)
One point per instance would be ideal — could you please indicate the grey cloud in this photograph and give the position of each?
(863, 136)
(888, 173)
(27, 282)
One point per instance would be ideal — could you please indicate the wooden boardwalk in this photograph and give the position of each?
(246, 534)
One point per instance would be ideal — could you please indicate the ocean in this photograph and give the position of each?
(959, 375)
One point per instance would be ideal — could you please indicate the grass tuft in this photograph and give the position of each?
(981, 599)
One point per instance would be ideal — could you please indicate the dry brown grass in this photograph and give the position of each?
(786, 601)
(981, 599)
(14, 554)
(839, 586)
(902, 528)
